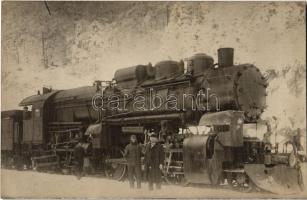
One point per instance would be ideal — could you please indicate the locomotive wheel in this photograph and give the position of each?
(173, 179)
(248, 187)
(240, 182)
(215, 176)
(252, 187)
(215, 179)
(115, 171)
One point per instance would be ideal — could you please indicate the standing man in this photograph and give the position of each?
(79, 154)
(88, 151)
(133, 155)
(154, 159)
(267, 146)
(267, 139)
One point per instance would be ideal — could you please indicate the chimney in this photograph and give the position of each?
(225, 57)
(46, 90)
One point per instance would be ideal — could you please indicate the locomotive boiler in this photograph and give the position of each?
(202, 87)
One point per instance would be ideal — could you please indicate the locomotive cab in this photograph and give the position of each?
(35, 116)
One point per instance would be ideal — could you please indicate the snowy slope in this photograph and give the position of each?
(84, 41)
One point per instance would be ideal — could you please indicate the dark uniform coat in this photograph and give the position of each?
(154, 156)
(79, 154)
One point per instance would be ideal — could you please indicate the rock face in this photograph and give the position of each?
(78, 42)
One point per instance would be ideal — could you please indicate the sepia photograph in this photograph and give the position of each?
(153, 100)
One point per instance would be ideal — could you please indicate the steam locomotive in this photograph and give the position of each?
(223, 100)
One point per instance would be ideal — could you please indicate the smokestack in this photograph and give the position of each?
(225, 57)
(46, 90)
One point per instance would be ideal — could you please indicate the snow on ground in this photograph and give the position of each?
(29, 184)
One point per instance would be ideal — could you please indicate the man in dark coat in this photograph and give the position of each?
(133, 155)
(79, 154)
(154, 160)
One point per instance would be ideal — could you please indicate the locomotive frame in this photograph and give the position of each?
(58, 116)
